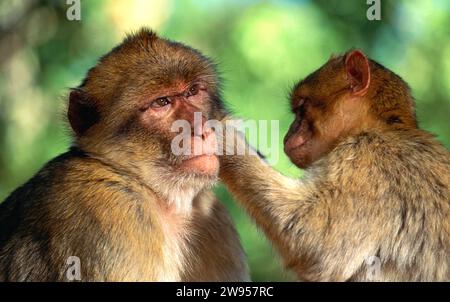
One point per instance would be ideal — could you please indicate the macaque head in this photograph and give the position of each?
(124, 110)
(348, 95)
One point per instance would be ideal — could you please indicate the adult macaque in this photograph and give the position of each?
(120, 200)
(374, 203)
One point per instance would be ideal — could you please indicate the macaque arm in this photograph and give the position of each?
(277, 203)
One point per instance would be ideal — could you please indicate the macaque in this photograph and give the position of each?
(120, 205)
(374, 202)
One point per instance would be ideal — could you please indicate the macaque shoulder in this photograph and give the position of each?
(72, 189)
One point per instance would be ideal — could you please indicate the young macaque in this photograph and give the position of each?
(120, 205)
(374, 203)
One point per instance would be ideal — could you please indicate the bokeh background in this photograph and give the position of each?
(262, 48)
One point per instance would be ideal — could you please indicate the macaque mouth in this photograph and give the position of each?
(201, 164)
(198, 155)
(194, 157)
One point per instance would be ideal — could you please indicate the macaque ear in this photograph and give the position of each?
(82, 112)
(358, 72)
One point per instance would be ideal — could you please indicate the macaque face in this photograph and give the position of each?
(167, 94)
(159, 111)
(314, 129)
(130, 101)
(328, 105)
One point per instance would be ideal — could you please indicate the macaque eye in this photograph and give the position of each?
(300, 108)
(303, 101)
(193, 90)
(300, 111)
(160, 102)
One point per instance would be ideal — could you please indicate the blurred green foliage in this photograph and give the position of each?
(262, 48)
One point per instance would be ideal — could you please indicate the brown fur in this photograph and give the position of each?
(107, 201)
(378, 186)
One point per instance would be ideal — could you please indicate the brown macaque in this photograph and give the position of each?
(120, 204)
(374, 202)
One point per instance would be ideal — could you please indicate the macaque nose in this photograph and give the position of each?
(206, 133)
(199, 128)
(204, 138)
